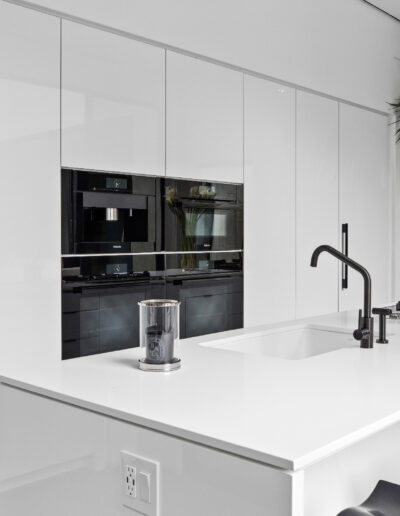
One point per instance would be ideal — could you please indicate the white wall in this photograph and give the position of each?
(343, 48)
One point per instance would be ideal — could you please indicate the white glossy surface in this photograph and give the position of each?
(392, 7)
(321, 45)
(269, 200)
(68, 463)
(30, 191)
(395, 162)
(365, 201)
(317, 203)
(245, 404)
(113, 102)
(289, 343)
(349, 476)
(204, 120)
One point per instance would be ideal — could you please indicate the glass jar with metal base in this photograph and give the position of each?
(159, 333)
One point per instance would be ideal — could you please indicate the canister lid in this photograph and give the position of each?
(159, 303)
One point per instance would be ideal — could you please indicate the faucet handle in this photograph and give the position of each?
(361, 333)
(382, 311)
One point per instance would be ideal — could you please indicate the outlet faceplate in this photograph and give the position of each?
(140, 483)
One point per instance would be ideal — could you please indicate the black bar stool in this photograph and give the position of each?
(384, 501)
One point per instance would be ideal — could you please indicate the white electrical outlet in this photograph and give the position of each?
(140, 483)
(130, 481)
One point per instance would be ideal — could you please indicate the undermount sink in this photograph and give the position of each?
(290, 343)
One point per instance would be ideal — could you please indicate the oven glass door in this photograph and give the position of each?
(100, 319)
(198, 221)
(100, 296)
(210, 289)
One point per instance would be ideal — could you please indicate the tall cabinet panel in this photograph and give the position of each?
(269, 174)
(113, 102)
(204, 120)
(317, 215)
(30, 193)
(365, 201)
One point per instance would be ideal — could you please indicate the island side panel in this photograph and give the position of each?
(348, 477)
(56, 458)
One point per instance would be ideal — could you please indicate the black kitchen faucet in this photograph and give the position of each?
(365, 331)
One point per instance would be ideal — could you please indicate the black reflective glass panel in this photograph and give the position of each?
(202, 216)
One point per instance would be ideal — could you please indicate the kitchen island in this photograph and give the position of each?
(235, 431)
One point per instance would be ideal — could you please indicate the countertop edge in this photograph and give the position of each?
(276, 462)
(345, 442)
(281, 463)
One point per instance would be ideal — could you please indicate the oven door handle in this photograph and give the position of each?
(208, 204)
(211, 207)
(180, 281)
(102, 286)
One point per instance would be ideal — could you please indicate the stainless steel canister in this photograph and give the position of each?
(159, 333)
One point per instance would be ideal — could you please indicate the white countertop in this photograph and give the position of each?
(287, 413)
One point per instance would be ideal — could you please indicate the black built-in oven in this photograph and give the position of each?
(201, 216)
(210, 289)
(100, 297)
(109, 213)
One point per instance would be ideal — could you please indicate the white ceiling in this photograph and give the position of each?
(390, 6)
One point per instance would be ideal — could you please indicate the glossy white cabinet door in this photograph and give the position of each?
(113, 102)
(365, 201)
(317, 185)
(70, 464)
(30, 278)
(269, 175)
(204, 120)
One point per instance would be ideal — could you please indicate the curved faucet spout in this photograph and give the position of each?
(354, 265)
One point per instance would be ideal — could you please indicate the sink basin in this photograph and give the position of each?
(290, 343)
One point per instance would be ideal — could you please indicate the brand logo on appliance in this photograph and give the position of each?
(117, 246)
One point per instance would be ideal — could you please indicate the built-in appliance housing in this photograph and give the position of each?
(109, 213)
(127, 238)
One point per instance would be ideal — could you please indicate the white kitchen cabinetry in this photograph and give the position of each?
(365, 201)
(316, 203)
(204, 120)
(269, 175)
(113, 102)
(30, 191)
(195, 480)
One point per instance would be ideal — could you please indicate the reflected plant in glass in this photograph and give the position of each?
(188, 218)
